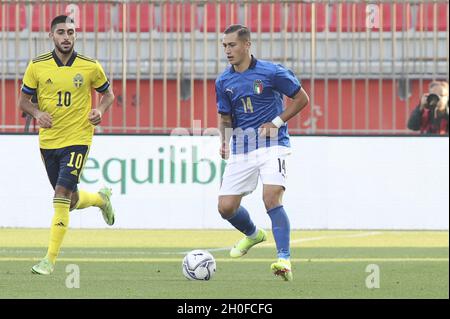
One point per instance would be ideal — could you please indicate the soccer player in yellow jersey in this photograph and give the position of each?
(63, 81)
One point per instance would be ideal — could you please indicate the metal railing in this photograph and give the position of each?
(364, 63)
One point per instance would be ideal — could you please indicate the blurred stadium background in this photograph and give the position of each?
(364, 63)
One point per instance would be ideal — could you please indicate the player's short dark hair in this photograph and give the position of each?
(60, 19)
(242, 30)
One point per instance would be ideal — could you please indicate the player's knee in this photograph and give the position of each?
(74, 200)
(226, 210)
(61, 192)
(271, 201)
(272, 196)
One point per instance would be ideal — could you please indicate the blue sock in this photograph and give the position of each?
(281, 230)
(241, 221)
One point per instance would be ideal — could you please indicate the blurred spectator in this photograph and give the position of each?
(431, 115)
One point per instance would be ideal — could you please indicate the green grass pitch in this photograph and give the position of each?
(117, 263)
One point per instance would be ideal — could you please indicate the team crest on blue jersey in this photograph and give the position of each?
(257, 87)
(78, 80)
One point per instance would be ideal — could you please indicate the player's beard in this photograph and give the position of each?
(62, 50)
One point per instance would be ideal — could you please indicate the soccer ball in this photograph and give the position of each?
(198, 265)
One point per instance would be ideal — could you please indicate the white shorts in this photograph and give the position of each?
(242, 171)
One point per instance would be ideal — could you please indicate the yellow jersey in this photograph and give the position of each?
(64, 91)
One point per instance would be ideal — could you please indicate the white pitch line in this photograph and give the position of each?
(299, 240)
(124, 252)
(246, 260)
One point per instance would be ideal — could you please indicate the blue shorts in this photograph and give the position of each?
(64, 165)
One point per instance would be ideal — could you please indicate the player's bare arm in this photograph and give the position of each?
(225, 127)
(43, 119)
(299, 102)
(107, 99)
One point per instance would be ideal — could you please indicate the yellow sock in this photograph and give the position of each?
(89, 199)
(58, 229)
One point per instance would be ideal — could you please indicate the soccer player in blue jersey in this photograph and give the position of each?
(250, 103)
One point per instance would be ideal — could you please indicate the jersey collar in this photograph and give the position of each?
(69, 63)
(252, 64)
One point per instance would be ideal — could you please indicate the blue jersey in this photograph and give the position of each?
(255, 97)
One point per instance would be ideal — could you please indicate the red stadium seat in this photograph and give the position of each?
(147, 16)
(167, 19)
(266, 11)
(402, 17)
(426, 17)
(10, 23)
(362, 18)
(299, 17)
(84, 12)
(228, 16)
(301, 14)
